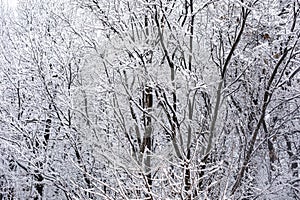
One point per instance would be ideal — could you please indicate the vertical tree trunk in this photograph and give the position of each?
(39, 185)
(187, 173)
(294, 167)
(148, 133)
(146, 147)
(148, 103)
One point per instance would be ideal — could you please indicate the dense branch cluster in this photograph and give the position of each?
(150, 99)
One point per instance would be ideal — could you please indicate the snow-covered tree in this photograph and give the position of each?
(150, 99)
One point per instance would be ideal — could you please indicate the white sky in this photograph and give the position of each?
(12, 3)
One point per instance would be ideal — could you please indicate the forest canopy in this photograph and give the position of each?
(150, 99)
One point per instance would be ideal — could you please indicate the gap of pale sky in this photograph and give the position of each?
(12, 3)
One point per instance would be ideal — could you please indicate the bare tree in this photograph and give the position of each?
(150, 99)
